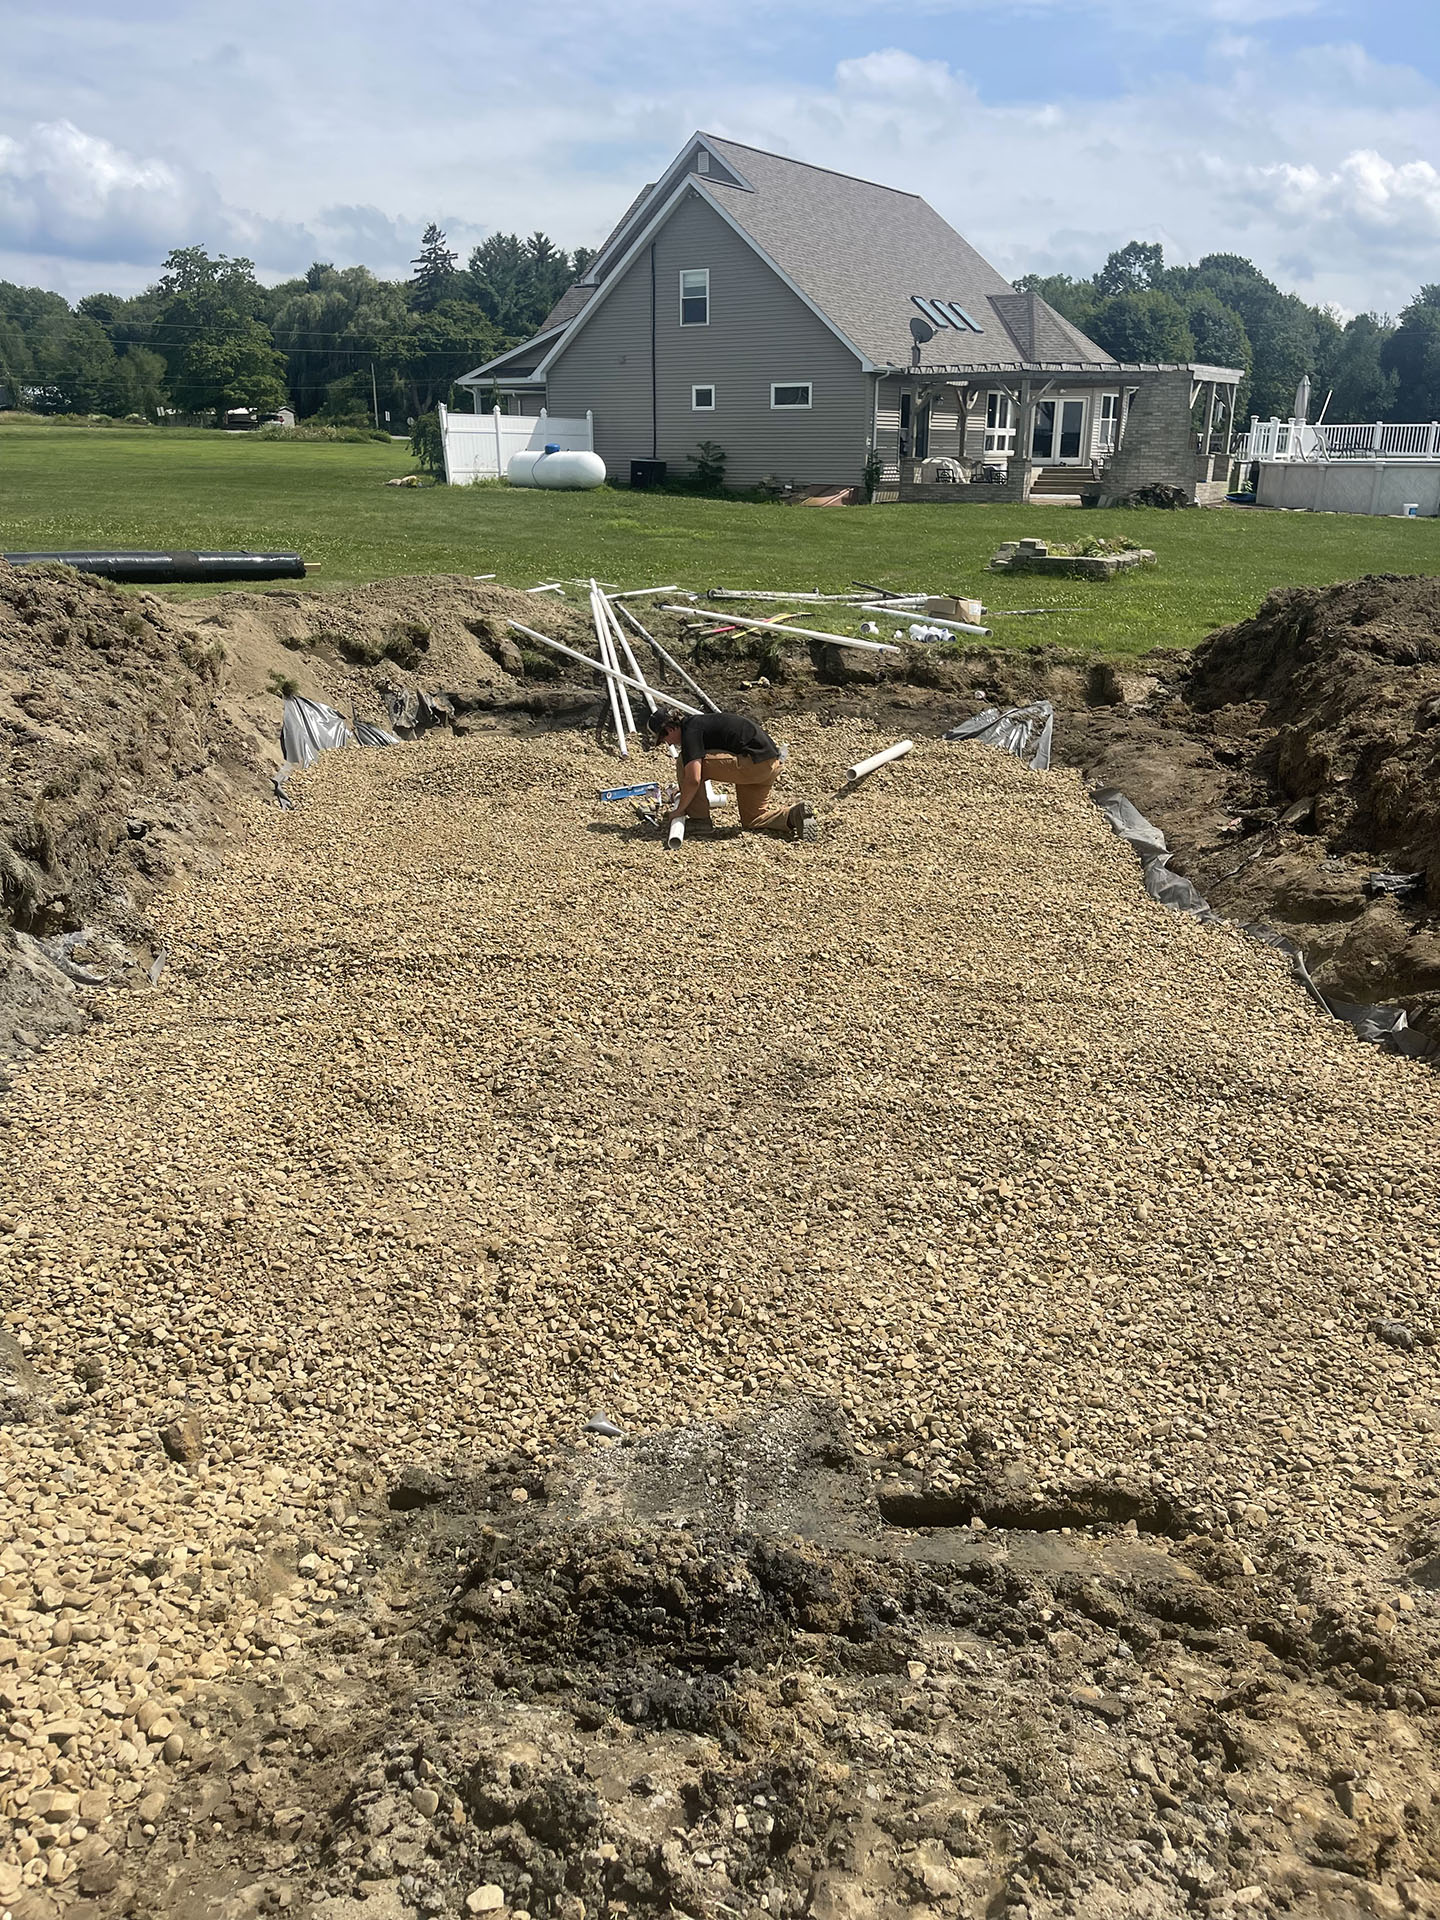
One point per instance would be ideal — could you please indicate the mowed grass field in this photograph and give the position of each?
(77, 487)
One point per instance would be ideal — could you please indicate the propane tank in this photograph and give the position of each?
(553, 468)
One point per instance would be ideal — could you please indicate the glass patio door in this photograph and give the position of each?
(1059, 430)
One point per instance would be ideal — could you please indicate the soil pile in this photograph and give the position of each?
(1348, 680)
(104, 703)
(464, 1112)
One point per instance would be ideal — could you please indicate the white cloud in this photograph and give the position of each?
(1318, 161)
(1366, 200)
(1335, 200)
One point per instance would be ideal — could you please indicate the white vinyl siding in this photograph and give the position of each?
(702, 399)
(788, 395)
(695, 296)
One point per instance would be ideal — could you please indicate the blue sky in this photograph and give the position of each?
(1304, 133)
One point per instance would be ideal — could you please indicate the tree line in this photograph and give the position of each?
(341, 345)
(1224, 312)
(338, 344)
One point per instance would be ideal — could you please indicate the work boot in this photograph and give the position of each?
(800, 821)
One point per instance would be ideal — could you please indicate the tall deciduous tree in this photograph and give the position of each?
(1133, 268)
(1147, 326)
(219, 352)
(1362, 387)
(332, 326)
(1412, 355)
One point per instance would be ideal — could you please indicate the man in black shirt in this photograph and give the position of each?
(734, 752)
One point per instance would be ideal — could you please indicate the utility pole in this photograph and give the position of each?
(374, 397)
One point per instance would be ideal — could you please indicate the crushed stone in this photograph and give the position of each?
(461, 1108)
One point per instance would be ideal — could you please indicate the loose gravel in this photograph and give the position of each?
(463, 1112)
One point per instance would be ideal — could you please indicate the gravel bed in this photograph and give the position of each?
(463, 1112)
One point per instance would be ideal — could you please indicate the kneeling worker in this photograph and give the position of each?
(733, 752)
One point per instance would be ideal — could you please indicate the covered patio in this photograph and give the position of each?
(968, 435)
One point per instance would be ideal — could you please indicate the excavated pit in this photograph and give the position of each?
(1119, 1601)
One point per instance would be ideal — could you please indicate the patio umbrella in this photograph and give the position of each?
(1302, 398)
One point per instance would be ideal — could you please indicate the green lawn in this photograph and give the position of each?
(72, 487)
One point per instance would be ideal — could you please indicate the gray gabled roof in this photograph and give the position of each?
(567, 306)
(861, 251)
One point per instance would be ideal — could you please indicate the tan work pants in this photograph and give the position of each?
(752, 781)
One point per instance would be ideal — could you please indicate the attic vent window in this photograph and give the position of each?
(702, 161)
(946, 313)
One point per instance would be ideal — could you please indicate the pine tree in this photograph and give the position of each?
(434, 275)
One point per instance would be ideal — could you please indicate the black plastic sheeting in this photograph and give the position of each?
(1024, 731)
(413, 712)
(1014, 731)
(158, 568)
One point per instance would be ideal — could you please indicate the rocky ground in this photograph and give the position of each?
(1015, 1302)
(1287, 760)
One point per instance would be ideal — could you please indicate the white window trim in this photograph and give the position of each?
(802, 406)
(704, 386)
(694, 323)
(1000, 440)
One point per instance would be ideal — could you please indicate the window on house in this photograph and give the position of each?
(1107, 430)
(999, 423)
(695, 297)
(790, 393)
(702, 399)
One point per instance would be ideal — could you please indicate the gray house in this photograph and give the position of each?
(815, 325)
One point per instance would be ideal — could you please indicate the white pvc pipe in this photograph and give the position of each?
(927, 619)
(821, 599)
(804, 633)
(673, 664)
(676, 834)
(612, 692)
(617, 633)
(595, 666)
(619, 699)
(881, 759)
(641, 593)
(554, 587)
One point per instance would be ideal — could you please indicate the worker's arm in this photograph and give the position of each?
(691, 777)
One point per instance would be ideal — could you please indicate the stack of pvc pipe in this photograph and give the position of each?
(668, 660)
(619, 697)
(595, 666)
(805, 633)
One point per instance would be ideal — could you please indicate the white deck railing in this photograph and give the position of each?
(1293, 440)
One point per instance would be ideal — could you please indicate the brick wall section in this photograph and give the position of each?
(1159, 443)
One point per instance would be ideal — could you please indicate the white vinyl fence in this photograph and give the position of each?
(478, 446)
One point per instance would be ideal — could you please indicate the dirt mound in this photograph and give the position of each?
(438, 632)
(1349, 680)
(742, 1691)
(103, 700)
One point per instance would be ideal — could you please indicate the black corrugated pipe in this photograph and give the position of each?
(158, 568)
